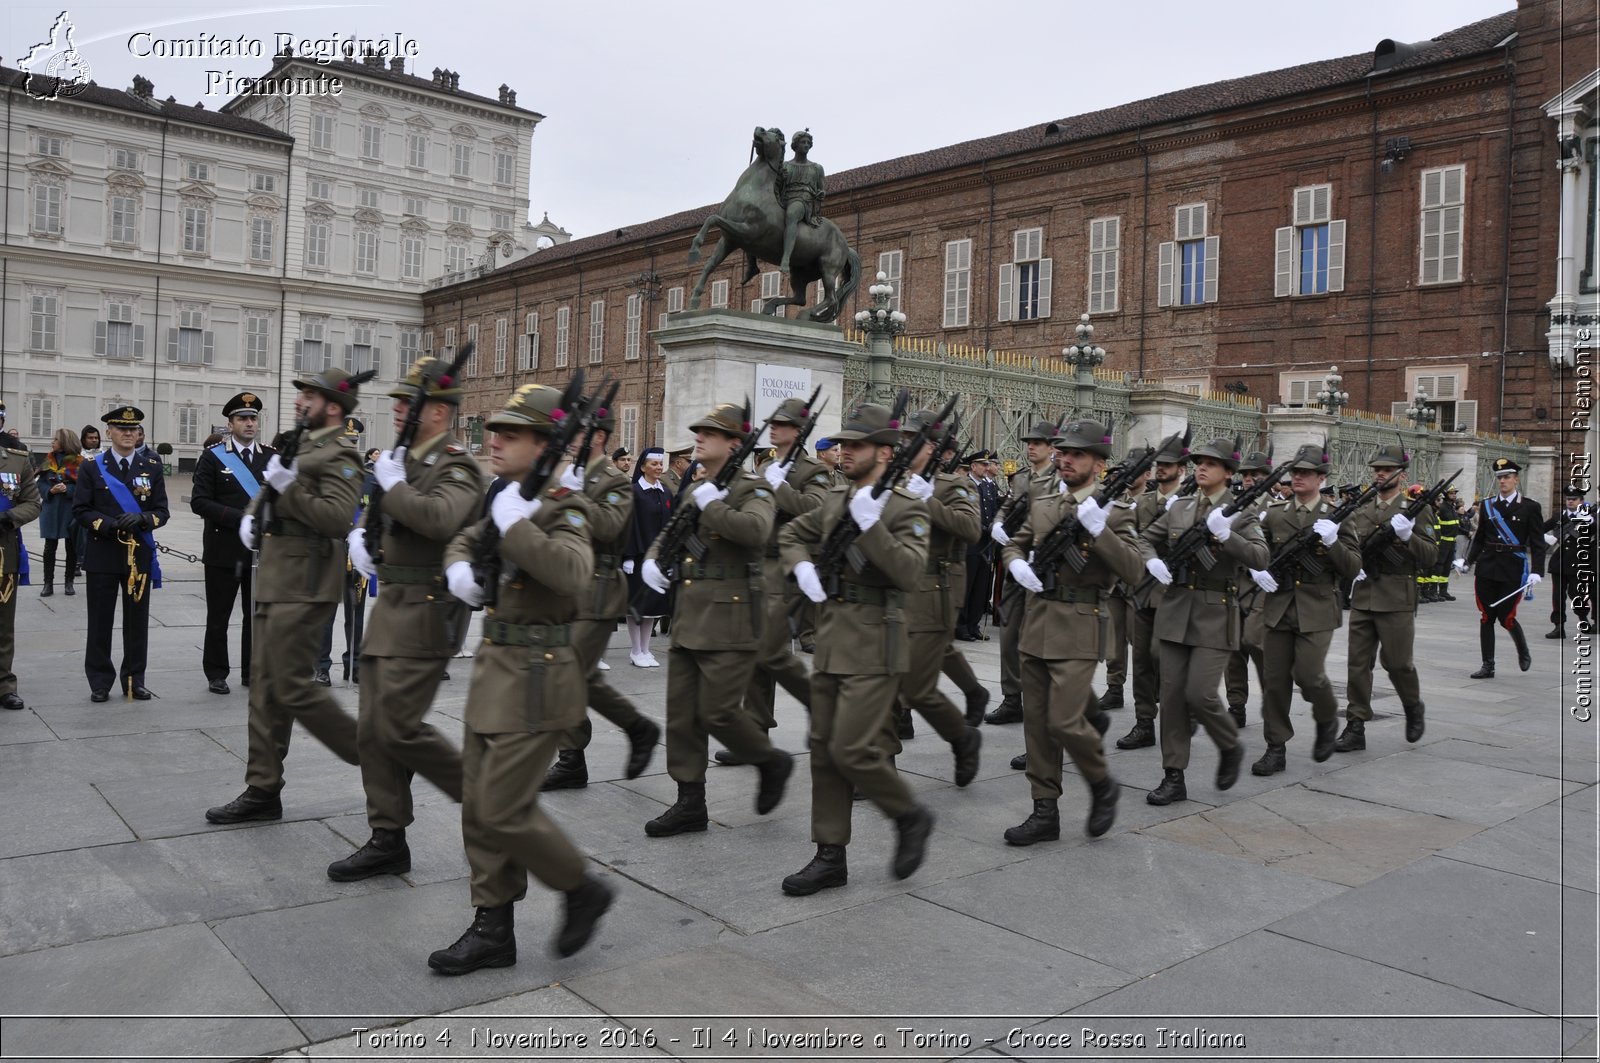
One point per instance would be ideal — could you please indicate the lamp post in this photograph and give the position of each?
(881, 325)
(1420, 413)
(1332, 398)
(1085, 355)
(647, 284)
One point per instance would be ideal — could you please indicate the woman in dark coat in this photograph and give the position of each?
(651, 506)
(58, 481)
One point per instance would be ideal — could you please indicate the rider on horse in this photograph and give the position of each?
(800, 192)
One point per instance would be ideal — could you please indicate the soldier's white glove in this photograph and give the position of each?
(805, 575)
(463, 584)
(360, 560)
(1360, 576)
(1326, 530)
(1549, 539)
(1158, 568)
(1217, 524)
(865, 509)
(1264, 580)
(923, 489)
(1026, 578)
(1402, 526)
(1261, 517)
(775, 474)
(1061, 488)
(247, 532)
(1092, 517)
(653, 577)
(997, 532)
(279, 475)
(1459, 564)
(509, 507)
(390, 468)
(1172, 500)
(707, 493)
(627, 568)
(1534, 579)
(572, 478)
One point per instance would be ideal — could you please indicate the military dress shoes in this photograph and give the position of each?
(1103, 797)
(729, 759)
(1486, 672)
(1414, 724)
(585, 905)
(1019, 762)
(1007, 711)
(912, 845)
(99, 695)
(966, 750)
(827, 870)
(1112, 698)
(386, 853)
(1353, 738)
(1171, 789)
(11, 701)
(643, 734)
(1042, 825)
(1143, 733)
(775, 772)
(321, 678)
(977, 701)
(490, 941)
(140, 693)
(218, 686)
(49, 590)
(70, 590)
(687, 814)
(904, 728)
(254, 803)
(1228, 762)
(569, 772)
(1556, 633)
(1327, 735)
(1272, 761)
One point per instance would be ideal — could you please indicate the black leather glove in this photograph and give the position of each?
(147, 521)
(7, 522)
(127, 522)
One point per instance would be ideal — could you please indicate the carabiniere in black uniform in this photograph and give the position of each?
(1508, 548)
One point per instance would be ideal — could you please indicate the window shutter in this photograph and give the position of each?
(1450, 244)
(1019, 246)
(1467, 415)
(1453, 179)
(377, 360)
(349, 358)
(1213, 247)
(100, 337)
(1283, 283)
(1299, 393)
(1164, 274)
(1432, 186)
(1046, 268)
(299, 356)
(1302, 206)
(1008, 286)
(208, 351)
(1430, 246)
(1319, 202)
(1336, 256)
(1397, 410)
(172, 345)
(138, 341)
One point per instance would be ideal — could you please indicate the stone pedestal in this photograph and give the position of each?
(1292, 429)
(715, 356)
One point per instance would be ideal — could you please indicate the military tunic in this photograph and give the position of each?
(1252, 639)
(106, 566)
(1383, 607)
(1143, 652)
(932, 608)
(414, 630)
(863, 648)
(1066, 635)
(19, 485)
(528, 684)
(1015, 603)
(716, 632)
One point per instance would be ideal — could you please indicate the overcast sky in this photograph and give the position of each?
(648, 105)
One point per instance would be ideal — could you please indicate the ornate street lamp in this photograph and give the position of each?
(1420, 412)
(1331, 397)
(880, 320)
(1084, 355)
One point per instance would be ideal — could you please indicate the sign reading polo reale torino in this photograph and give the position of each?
(774, 383)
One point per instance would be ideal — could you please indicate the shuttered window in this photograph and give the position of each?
(1443, 202)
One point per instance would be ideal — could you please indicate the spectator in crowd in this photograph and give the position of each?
(58, 480)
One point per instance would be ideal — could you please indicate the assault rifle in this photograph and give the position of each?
(965, 447)
(269, 494)
(1193, 543)
(1384, 545)
(680, 540)
(489, 561)
(1065, 540)
(592, 416)
(372, 519)
(1297, 552)
(947, 441)
(811, 413)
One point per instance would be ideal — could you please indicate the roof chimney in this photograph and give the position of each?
(397, 65)
(142, 87)
(438, 76)
(372, 60)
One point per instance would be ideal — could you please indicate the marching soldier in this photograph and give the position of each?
(20, 503)
(1508, 549)
(1035, 480)
(1301, 611)
(1067, 633)
(354, 590)
(1255, 465)
(121, 498)
(226, 478)
(431, 491)
(1197, 623)
(610, 497)
(1570, 534)
(862, 651)
(1383, 602)
(1120, 604)
(722, 607)
(528, 683)
(1167, 473)
(302, 573)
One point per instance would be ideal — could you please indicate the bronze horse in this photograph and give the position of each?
(751, 220)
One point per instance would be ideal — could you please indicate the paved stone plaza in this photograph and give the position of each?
(1436, 899)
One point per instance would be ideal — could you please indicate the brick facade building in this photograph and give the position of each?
(1392, 213)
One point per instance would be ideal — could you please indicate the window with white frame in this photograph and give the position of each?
(892, 265)
(1443, 202)
(674, 300)
(474, 359)
(1025, 281)
(53, 145)
(448, 350)
(461, 159)
(416, 207)
(319, 188)
(528, 343)
(417, 149)
(117, 336)
(361, 353)
(196, 170)
(502, 332)
(124, 218)
(771, 288)
(261, 234)
(311, 355)
(322, 126)
(366, 250)
(126, 159)
(409, 340)
(500, 220)
(1187, 265)
(44, 320)
(455, 256)
(957, 283)
(630, 341)
(563, 335)
(371, 141)
(41, 417)
(597, 331)
(1444, 388)
(317, 235)
(188, 425)
(628, 428)
(505, 167)
(1299, 390)
(257, 339)
(190, 343)
(1310, 253)
(196, 227)
(371, 198)
(460, 214)
(47, 195)
(719, 295)
(411, 245)
(1105, 262)
(264, 182)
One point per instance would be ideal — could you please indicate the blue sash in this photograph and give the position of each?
(240, 470)
(124, 498)
(22, 547)
(1504, 530)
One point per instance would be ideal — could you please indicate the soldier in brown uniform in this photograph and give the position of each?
(1197, 623)
(20, 503)
(1121, 604)
(431, 492)
(716, 635)
(1252, 630)
(1301, 611)
(1143, 652)
(1383, 603)
(528, 683)
(1038, 478)
(1066, 634)
(862, 650)
(298, 584)
(610, 496)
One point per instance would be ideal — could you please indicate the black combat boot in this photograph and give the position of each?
(912, 845)
(977, 701)
(1271, 762)
(1327, 735)
(825, 871)
(1042, 825)
(386, 853)
(903, 726)
(1485, 672)
(643, 734)
(254, 803)
(49, 589)
(1142, 734)
(1228, 761)
(1520, 640)
(1414, 722)
(1019, 762)
(1008, 711)
(966, 750)
(1100, 720)
(490, 941)
(585, 905)
(1557, 632)
(1171, 789)
(1353, 738)
(687, 814)
(1103, 797)
(569, 772)
(1112, 698)
(775, 772)
(1237, 712)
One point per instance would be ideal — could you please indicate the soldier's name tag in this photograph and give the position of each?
(9, 483)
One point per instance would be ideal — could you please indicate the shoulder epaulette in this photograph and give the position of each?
(18, 453)
(455, 448)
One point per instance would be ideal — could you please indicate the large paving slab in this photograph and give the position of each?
(165, 806)
(53, 817)
(1555, 843)
(1421, 782)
